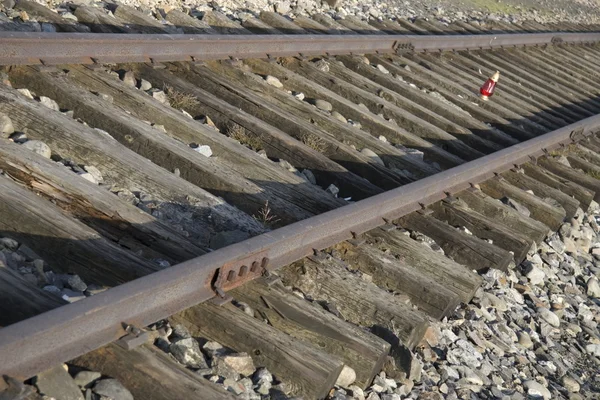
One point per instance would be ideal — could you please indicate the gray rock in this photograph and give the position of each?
(273, 81)
(593, 349)
(382, 69)
(537, 389)
(241, 363)
(536, 276)
(160, 96)
(309, 176)
(187, 351)
(339, 116)
(373, 156)
(570, 384)
(213, 349)
(85, 379)
(549, 316)
(555, 242)
(145, 85)
(205, 150)
(51, 289)
(346, 377)
(333, 190)
(47, 27)
(223, 239)
(593, 288)
(9, 244)
(525, 340)
(113, 389)
(322, 105)
(57, 383)
(71, 296)
(38, 147)
(6, 126)
(48, 102)
(282, 7)
(95, 172)
(26, 93)
(128, 79)
(88, 177)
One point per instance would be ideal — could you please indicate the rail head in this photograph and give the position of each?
(32, 48)
(33, 345)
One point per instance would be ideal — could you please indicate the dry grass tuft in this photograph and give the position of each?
(239, 133)
(265, 216)
(314, 142)
(593, 174)
(180, 100)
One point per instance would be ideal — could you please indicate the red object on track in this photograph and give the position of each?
(487, 89)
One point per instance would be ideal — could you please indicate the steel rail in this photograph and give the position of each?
(32, 48)
(31, 346)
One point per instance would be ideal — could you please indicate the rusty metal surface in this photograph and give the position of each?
(33, 345)
(87, 48)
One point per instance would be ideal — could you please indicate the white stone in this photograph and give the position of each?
(273, 81)
(593, 349)
(549, 316)
(26, 93)
(347, 377)
(570, 384)
(88, 177)
(537, 389)
(382, 69)
(95, 172)
(145, 85)
(240, 362)
(339, 117)
(323, 105)
(373, 156)
(536, 276)
(48, 102)
(160, 96)
(593, 288)
(205, 150)
(6, 126)
(187, 351)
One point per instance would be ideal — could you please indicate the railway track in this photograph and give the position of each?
(223, 165)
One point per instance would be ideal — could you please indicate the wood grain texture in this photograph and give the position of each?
(274, 141)
(463, 248)
(117, 220)
(395, 275)
(580, 193)
(309, 371)
(457, 278)
(64, 243)
(358, 301)
(262, 172)
(457, 213)
(163, 150)
(120, 166)
(151, 374)
(310, 323)
(552, 216)
(542, 190)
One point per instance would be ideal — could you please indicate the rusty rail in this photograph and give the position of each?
(33, 345)
(83, 48)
